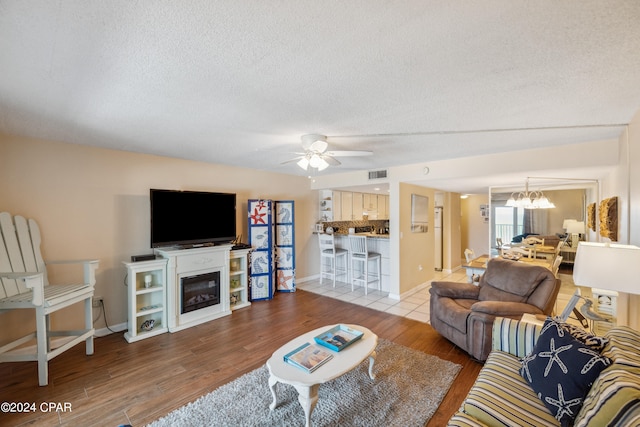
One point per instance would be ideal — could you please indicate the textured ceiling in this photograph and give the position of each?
(238, 82)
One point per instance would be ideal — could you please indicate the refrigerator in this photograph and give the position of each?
(437, 227)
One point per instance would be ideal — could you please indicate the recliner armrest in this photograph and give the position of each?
(506, 309)
(455, 290)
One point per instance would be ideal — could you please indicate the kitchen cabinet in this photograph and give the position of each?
(383, 207)
(350, 206)
(357, 206)
(337, 205)
(370, 205)
(347, 206)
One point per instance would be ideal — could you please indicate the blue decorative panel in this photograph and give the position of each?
(285, 246)
(261, 231)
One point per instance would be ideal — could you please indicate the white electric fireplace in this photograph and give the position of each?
(197, 285)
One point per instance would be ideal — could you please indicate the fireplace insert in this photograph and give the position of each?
(199, 291)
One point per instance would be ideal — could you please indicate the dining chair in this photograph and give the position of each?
(522, 251)
(469, 255)
(329, 256)
(556, 265)
(533, 241)
(360, 258)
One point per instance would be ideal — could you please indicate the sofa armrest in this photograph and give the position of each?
(455, 290)
(507, 309)
(514, 336)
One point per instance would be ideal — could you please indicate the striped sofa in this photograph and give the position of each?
(501, 397)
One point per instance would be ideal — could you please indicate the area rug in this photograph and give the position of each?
(408, 389)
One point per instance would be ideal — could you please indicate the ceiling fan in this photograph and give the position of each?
(317, 156)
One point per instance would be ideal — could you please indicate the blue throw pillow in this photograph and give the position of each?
(561, 370)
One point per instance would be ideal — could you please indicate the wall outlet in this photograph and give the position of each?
(97, 301)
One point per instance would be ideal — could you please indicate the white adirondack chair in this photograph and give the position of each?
(24, 285)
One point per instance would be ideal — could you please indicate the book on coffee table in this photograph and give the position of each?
(308, 357)
(339, 337)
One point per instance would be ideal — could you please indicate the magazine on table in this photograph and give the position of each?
(308, 357)
(339, 337)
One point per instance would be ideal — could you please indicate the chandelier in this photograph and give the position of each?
(529, 200)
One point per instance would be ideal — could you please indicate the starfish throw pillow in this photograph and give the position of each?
(561, 370)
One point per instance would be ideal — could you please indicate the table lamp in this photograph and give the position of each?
(575, 228)
(607, 266)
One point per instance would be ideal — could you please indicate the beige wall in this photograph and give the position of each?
(451, 229)
(625, 183)
(94, 203)
(416, 249)
(474, 231)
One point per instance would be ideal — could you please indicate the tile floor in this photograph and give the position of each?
(414, 305)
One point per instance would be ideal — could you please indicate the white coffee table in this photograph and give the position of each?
(307, 384)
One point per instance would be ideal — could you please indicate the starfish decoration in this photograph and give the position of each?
(564, 406)
(257, 217)
(595, 358)
(282, 280)
(525, 365)
(554, 356)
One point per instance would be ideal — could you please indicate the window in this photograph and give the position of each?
(507, 223)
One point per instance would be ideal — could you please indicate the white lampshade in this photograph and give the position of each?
(565, 223)
(608, 266)
(575, 227)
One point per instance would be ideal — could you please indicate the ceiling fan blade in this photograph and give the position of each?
(329, 159)
(349, 153)
(295, 159)
(318, 146)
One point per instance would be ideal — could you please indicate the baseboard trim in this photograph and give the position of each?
(103, 332)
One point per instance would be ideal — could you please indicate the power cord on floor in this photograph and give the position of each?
(103, 312)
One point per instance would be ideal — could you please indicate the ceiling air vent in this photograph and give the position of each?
(378, 174)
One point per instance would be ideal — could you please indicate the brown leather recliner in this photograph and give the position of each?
(463, 313)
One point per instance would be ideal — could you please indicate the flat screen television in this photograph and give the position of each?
(187, 218)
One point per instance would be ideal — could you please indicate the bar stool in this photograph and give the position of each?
(359, 254)
(329, 252)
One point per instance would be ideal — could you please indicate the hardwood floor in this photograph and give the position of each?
(137, 383)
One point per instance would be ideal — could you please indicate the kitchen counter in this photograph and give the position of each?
(374, 235)
(375, 243)
(370, 235)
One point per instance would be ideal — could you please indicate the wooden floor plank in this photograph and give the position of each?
(139, 382)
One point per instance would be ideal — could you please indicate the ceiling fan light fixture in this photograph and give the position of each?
(323, 164)
(303, 163)
(316, 161)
